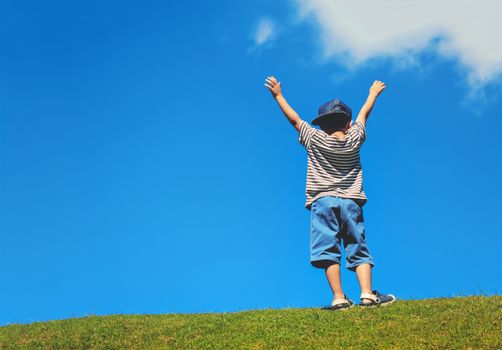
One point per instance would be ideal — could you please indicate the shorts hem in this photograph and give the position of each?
(324, 263)
(353, 266)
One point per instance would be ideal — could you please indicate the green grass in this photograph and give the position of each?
(450, 323)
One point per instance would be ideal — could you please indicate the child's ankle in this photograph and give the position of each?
(339, 296)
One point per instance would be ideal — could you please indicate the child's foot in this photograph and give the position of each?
(340, 304)
(376, 299)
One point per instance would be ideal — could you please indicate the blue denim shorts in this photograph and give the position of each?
(335, 220)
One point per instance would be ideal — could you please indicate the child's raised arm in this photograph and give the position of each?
(275, 89)
(375, 90)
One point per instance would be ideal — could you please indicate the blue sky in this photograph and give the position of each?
(146, 169)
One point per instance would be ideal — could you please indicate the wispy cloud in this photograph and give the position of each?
(468, 31)
(264, 31)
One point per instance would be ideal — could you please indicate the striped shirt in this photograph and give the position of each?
(334, 167)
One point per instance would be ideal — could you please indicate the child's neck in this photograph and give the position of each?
(338, 133)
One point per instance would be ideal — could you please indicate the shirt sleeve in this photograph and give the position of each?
(358, 132)
(306, 133)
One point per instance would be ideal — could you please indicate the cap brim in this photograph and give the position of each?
(322, 117)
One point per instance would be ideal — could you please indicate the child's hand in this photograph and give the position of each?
(274, 86)
(377, 87)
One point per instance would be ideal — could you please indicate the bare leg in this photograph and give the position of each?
(363, 272)
(333, 275)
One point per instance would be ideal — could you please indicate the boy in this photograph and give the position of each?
(334, 192)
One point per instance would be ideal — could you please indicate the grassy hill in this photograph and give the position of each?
(452, 323)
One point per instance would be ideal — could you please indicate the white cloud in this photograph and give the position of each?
(356, 31)
(264, 31)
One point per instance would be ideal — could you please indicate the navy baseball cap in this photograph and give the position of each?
(333, 109)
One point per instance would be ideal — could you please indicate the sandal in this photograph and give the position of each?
(340, 304)
(376, 299)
